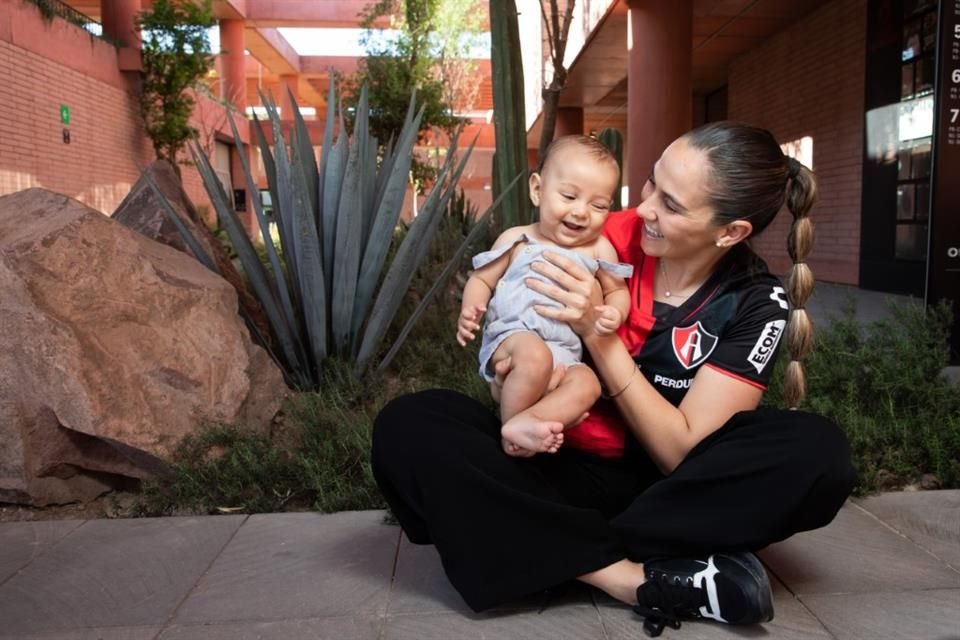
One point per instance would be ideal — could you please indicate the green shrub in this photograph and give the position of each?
(882, 383)
(317, 457)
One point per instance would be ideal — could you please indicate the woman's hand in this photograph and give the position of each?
(575, 288)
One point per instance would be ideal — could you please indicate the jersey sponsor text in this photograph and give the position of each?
(766, 344)
(672, 383)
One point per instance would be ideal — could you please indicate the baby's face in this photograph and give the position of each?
(574, 192)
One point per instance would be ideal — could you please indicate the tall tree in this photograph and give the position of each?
(427, 49)
(556, 21)
(176, 55)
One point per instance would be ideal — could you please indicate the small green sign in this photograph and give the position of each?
(64, 114)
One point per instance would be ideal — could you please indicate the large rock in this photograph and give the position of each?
(142, 211)
(113, 348)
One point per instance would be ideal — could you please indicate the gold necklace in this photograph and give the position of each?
(666, 283)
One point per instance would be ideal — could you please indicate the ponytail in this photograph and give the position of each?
(800, 198)
(751, 179)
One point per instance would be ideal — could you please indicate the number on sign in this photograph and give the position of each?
(955, 76)
(953, 115)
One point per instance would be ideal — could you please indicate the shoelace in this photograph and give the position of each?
(654, 620)
(665, 600)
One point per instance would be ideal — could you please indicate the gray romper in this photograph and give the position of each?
(510, 310)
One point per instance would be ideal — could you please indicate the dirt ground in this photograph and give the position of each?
(110, 505)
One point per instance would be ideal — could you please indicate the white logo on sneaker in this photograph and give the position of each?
(706, 576)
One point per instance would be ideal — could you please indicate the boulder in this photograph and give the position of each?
(114, 347)
(142, 211)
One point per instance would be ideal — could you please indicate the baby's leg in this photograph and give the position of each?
(523, 386)
(575, 394)
(532, 365)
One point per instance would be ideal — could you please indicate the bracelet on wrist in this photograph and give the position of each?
(633, 376)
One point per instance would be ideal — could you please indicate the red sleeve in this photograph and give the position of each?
(603, 432)
(623, 229)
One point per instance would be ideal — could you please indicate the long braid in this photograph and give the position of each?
(801, 196)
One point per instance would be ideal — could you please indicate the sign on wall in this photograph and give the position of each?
(943, 264)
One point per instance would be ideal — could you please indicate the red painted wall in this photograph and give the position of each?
(808, 80)
(45, 64)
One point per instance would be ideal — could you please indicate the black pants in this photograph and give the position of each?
(508, 527)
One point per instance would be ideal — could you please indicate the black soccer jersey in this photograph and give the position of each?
(733, 323)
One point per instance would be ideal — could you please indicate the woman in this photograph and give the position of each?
(683, 476)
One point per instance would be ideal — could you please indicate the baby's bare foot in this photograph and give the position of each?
(532, 434)
(515, 451)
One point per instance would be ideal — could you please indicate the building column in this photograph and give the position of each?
(288, 85)
(569, 122)
(233, 63)
(119, 20)
(659, 83)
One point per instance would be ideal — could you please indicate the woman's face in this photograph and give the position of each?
(675, 206)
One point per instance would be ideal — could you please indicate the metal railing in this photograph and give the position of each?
(51, 9)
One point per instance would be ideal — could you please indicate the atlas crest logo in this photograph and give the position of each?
(766, 344)
(693, 345)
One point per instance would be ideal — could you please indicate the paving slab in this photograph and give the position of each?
(421, 586)
(931, 519)
(855, 553)
(22, 542)
(102, 633)
(341, 628)
(572, 622)
(830, 300)
(913, 615)
(792, 621)
(113, 573)
(297, 566)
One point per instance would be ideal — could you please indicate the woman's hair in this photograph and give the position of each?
(591, 145)
(751, 179)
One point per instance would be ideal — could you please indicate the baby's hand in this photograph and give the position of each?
(469, 323)
(608, 321)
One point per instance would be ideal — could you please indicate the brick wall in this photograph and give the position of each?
(809, 81)
(46, 64)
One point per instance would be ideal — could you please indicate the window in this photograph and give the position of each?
(915, 128)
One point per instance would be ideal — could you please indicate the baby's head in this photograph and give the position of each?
(574, 189)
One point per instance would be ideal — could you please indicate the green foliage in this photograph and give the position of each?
(881, 382)
(317, 457)
(429, 53)
(612, 139)
(510, 158)
(329, 288)
(176, 55)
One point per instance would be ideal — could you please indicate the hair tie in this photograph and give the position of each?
(793, 167)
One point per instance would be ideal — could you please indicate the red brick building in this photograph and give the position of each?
(857, 89)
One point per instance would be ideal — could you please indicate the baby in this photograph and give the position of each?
(574, 189)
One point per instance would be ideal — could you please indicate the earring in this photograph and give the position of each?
(719, 245)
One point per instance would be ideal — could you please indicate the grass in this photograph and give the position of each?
(880, 382)
(317, 456)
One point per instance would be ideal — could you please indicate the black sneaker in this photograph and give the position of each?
(727, 587)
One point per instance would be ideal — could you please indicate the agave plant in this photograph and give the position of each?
(332, 292)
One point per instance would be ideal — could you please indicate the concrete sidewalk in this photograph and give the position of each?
(888, 567)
